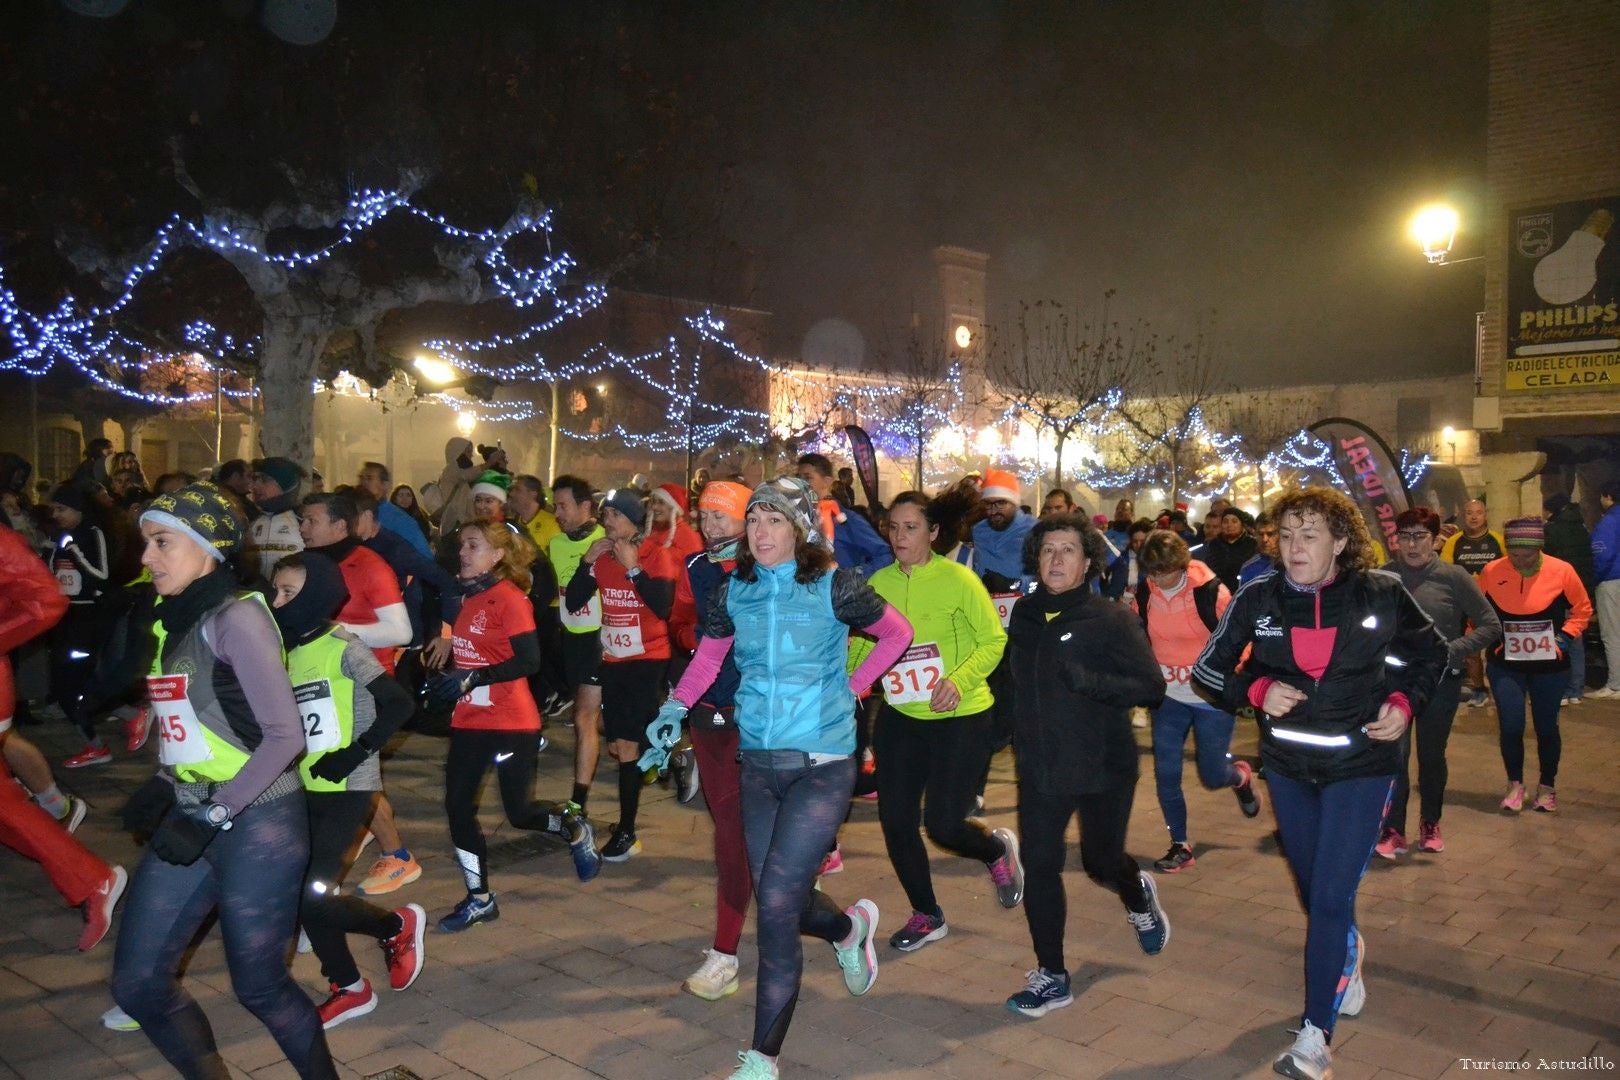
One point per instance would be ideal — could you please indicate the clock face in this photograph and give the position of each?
(964, 336)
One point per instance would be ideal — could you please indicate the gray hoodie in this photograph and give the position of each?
(455, 485)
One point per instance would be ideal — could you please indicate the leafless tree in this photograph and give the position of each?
(1171, 415)
(1065, 372)
(927, 396)
(1264, 422)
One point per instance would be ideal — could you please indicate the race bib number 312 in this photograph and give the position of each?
(913, 679)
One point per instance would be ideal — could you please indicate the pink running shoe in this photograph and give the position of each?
(1513, 801)
(1546, 800)
(834, 861)
(1391, 844)
(1429, 838)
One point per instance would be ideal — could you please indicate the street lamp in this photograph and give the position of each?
(1435, 229)
(435, 370)
(1449, 434)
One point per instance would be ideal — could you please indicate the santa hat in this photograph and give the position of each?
(493, 484)
(999, 484)
(673, 494)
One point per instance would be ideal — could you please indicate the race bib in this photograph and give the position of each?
(180, 733)
(1004, 602)
(319, 714)
(1176, 675)
(913, 679)
(621, 636)
(68, 580)
(587, 618)
(479, 697)
(1525, 642)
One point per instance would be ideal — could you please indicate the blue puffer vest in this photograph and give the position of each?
(792, 652)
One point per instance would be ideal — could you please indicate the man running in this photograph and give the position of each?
(575, 503)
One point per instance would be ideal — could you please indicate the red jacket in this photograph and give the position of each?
(30, 602)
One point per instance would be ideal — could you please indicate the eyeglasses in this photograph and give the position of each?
(1424, 537)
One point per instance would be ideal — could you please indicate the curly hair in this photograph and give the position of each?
(1091, 542)
(1163, 552)
(1344, 522)
(517, 552)
(814, 560)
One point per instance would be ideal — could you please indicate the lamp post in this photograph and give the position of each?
(1434, 227)
(1449, 434)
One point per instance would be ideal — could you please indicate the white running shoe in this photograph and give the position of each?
(716, 978)
(1309, 1058)
(1355, 992)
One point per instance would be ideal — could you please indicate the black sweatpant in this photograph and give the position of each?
(336, 821)
(472, 754)
(1431, 729)
(1042, 821)
(940, 761)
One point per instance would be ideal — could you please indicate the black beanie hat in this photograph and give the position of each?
(203, 514)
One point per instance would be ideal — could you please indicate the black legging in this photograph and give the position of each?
(336, 821)
(1042, 821)
(1431, 729)
(940, 758)
(472, 753)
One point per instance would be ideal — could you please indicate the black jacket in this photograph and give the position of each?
(1073, 682)
(1385, 644)
(1226, 558)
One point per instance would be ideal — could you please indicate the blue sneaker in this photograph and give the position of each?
(582, 846)
(1043, 992)
(470, 911)
(1153, 925)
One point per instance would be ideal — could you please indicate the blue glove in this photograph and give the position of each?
(448, 687)
(663, 733)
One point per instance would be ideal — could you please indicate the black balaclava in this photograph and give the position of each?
(310, 612)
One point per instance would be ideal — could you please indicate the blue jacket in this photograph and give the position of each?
(1001, 552)
(857, 545)
(1606, 546)
(400, 523)
(791, 645)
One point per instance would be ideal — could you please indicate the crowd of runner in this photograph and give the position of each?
(775, 646)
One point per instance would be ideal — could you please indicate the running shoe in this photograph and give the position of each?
(1479, 700)
(470, 912)
(621, 846)
(1546, 800)
(1008, 871)
(137, 728)
(1153, 925)
(345, 1005)
(919, 930)
(753, 1065)
(116, 1019)
(1355, 990)
(98, 908)
(1309, 1057)
(1604, 692)
(389, 873)
(73, 816)
(1248, 796)
(833, 861)
(582, 844)
(685, 766)
(715, 978)
(1429, 838)
(859, 961)
(90, 755)
(1178, 858)
(1391, 843)
(1513, 801)
(403, 952)
(1043, 991)
(556, 705)
(1569, 699)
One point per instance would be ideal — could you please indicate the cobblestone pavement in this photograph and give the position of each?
(1506, 948)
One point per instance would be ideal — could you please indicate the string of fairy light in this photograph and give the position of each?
(900, 420)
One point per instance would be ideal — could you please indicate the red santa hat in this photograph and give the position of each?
(999, 484)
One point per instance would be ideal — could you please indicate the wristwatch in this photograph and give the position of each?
(218, 815)
(633, 573)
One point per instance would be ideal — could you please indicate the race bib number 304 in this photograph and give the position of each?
(180, 733)
(1525, 642)
(913, 679)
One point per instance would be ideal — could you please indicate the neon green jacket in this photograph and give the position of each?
(957, 635)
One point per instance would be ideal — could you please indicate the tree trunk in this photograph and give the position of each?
(292, 345)
(1057, 464)
(919, 484)
(1175, 480)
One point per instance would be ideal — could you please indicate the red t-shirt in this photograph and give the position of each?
(481, 637)
(630, 631)
(372, 585)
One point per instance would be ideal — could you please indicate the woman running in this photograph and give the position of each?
(785, 613)
(494, 649)
(1544, 608)
(1079, 665)
(229, 831)
(350, 708)
(930, 731)
(1180, 600)
(1342, 659)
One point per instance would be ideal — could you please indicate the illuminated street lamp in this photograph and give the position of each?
(1435, 229)
(434, 370)
(1449, 434)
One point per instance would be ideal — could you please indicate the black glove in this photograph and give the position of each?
(448, 687)
(335, 765)
(181, 838)
(145, 809)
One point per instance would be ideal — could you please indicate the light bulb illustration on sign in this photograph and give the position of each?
(1563, 318)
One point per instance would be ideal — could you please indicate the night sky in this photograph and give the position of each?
(1250, 163)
